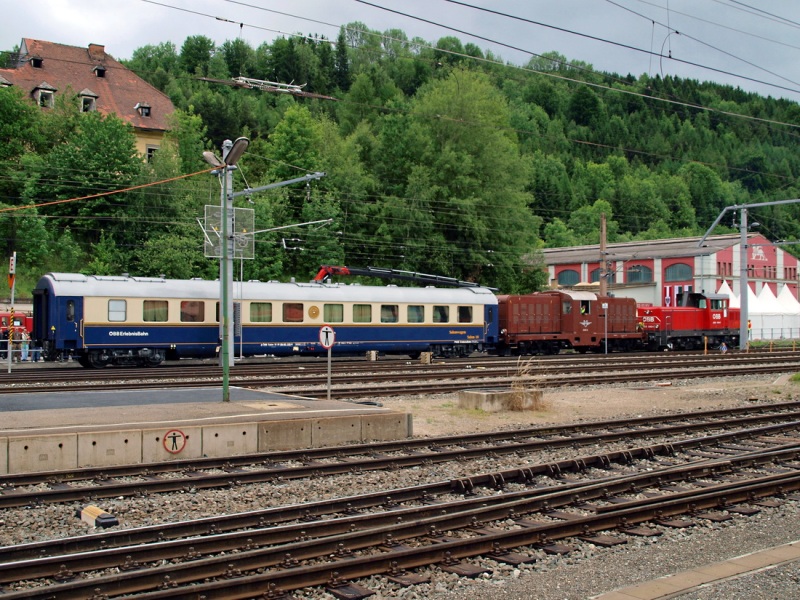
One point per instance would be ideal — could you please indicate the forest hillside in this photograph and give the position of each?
(439, 158)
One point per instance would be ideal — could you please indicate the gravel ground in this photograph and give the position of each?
(594, 571)
(584, 573)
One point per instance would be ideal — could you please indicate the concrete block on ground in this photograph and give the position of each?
(109, 448)
(500, 400)
(385, 427)
(230, 440)
(334, 431)
(43, 453)
(289, 434)
(171, 443)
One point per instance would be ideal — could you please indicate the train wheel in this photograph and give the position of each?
(98, 359)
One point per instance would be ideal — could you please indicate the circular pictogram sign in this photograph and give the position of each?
(174, 441)
(327, 336)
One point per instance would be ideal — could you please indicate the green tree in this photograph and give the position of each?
(196, 54)
(294, 151)
(100, 157)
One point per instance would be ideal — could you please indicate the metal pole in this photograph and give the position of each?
(743, 285)
(225, 277)
(329, 372)
(12, 280)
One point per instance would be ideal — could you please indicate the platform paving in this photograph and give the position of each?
(72, 430)
(684, 582)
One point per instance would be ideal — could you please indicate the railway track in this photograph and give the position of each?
(651, 474)
(359, 379)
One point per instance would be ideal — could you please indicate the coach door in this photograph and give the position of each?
(71, 319)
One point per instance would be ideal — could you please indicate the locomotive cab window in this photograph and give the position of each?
(362, 313)
(333, 313)
(293, 312)
(465, 314)
(193, 311)
(389, 313)
(117, 310)
(155, 311)
(586, 307)
(261, 312)
(441, 314)
(566, 307)
(415, 313)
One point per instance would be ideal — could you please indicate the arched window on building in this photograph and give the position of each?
(568, 277)
(639, 274)
(594, 276)
(678, 272)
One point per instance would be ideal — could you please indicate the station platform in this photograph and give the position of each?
(65, 431)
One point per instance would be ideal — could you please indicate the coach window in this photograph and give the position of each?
(155, 311)
(333, 313)
(362, 313)
(261, 312)
(415, 313)
(465, 314)
(293, 312)
(193, 311)
(389, 313)
(441, 314)
(117, 310)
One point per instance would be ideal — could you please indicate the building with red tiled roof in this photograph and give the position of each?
(45, 69)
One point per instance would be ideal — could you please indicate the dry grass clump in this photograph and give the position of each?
(527, 386)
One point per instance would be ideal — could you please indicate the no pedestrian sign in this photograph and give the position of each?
(327, 336)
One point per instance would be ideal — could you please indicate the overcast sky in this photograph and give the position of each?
(752, 39)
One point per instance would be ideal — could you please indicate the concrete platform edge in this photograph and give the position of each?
(64, 449)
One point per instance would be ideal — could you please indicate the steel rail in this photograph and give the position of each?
(14, 498)
(413, 523)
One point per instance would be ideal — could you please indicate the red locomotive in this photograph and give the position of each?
(547, 322)
(699, 319)
(23, 321)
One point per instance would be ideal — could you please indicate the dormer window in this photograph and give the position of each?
(143, 109)
(88, 100)
(46, 99)
(99, 71)
(37, 62)
(44, 94)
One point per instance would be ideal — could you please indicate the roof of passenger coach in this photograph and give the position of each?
(75, 284)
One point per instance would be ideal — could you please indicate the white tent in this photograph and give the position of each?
(789, 303)
(768, 303)
(726, 289)
(774, 318)
(752, 301)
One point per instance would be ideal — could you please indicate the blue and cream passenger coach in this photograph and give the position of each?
(102, 320)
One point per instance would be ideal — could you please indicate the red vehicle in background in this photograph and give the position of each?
(548, 322)
(697, 320)
(23, 322)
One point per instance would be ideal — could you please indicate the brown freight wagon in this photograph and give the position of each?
(547, 322)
